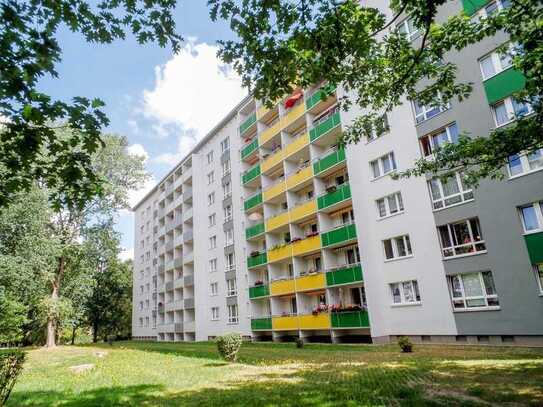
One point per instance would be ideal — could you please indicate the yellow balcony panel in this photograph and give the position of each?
(272, 161)
(281, 253)
(303, 211)
(311, 283)
(261, 112)
(306, 246)
(294, 114)
(289, 323)
(319, 321)
(277, 221)
(297, 145)
(268, 134)
(274, 191)
(282, 287)
(300, 177)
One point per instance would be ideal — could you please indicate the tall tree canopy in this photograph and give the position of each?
(30, 149)
(283, 44)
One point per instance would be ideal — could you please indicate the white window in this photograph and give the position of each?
(461, 238)
(492, 8)
(383, 165)
(225, 144)
(397, 247)
(146, 321)
(141, 322)
(509, 110)
(210, 177)
(525, 163)
(390, 205)
(449, 191)
(214, 313)
(212, 265)
(211, 219)
(213, 242)
(495, 63)
(233, 314)
(532, 217)
(228, 213)
(210, 157)
(431, 142)
(405, 292)
(225, 167)
(141, 305)
(211, 198)
(227, 189)
(230, 261)
(214, 287)
(407, 27)
(382, 127)
(231, 287)
(425, 112)
(539, 275)
(229, 237)
(473, 291)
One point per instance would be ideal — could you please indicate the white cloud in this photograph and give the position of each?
(135, 196)
(185, 142)
(138, 150)
(127, 254)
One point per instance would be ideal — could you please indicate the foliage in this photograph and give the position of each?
(229, 345)
(30, 147)
(405, 344)
(299, 343)
(11, 364)
(12, 319)
(282, 45)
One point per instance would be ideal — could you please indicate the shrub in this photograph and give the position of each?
(228, 346)
(405, 344)
(299, 343)
(11, 364)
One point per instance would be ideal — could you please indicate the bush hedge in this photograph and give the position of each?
(228, 346)
(11, 364)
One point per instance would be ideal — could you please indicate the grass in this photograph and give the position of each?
(191, 374)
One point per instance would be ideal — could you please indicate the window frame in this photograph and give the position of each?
(215, 314)
(233, 317)
(212, 219)
(425, 110)
(473, 243)
(524, 161)
(379, 161)
(406, 241)
(410, 35)
(464, 194)
(386, 202)
(231, 291)
(212, 242)
(209, 156)
(213, 265)
(464, 299)
(431, 139)
(214, 289)
(415, 291)
(496, 60)
(538, 209)
(538, 269)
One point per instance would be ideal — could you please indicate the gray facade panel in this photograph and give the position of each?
(232, 300)
(229, 249)
(227, 201)
(228, 225)
(230, 275)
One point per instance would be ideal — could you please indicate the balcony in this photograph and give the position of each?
(350, 319)
(188, 258)
(257, 260)
(249, 150)
(259, 291)
(251, 174)
(293, 115)
(534, 244)
(300, 178)
(254, 231)
(339, 236)
(337, 197)
(247, 124)
(285, 323)
(169, 265)
(319, 96)
(303, 211)
(310, 321)
(282, 287)
(298, 144)
(188, 280)
(471, 6)
(306, 246)
(328, 163)
(347, 274)
(275, 190)
(178, 283)
(277, 221)
(187, 215)
(161, 268)
(261, 323)
(188, 303)
(273, 160)
(253, 202)
(178, 262)
(178, 327)
(269, 133)
(327, 130)
(169, 286)
(189, 326)
(311, 282)
(188, 236)
(280, 252)
(169, 246)
(187, 194)
(503, 84)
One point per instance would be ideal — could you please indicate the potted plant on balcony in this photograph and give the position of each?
(296, 239)
(255, 253)
(259, 282)
(331, 188)
(312, 234)
(319, 308)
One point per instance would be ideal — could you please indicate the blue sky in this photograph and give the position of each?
(158, 100)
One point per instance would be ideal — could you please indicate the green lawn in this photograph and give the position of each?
(161, 374)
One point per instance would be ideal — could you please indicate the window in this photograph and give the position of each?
(141, 322)
(225, 144)
(449, 191)
(227, 189)
(492, 8)
(390, 205)
(532, 217)
(539, 275)
(214, 288)
(212, 265)
(211, 219)
(211, 198)
(228, 237)
(525, 163)
(495, 63)
(228, 213)
(473, 290)
(230, 261)
(233, 314)
(347, 218)
(405, 292)
(397, 247)
(231, 287)
(424, 112)
(210, 157)
(225, 167)
(431, 142)
(383, 165)
(461, 238)
(214, 313)
(407, 27)
(382, 126)
(213, 242)
(210, 177)
(509, 110)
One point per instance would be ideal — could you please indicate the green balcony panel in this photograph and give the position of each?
(534, 243)
(329, 161)
(339, 235)
(251, 174)
(261, 323)
(319, 96)
(346, 275)
(503, 84)
(253, 201)
(342, 193)
(258, 260)
(324, 127)
(259, 291)
(471, 6)
(249, 121)
(254, 231)
(249, 148)
(350, 319)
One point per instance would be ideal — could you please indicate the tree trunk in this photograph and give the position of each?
(74, 328)
(95, 332)
(52, 322)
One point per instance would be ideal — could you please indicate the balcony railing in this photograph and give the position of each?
(259, 291)
(247, 123)
(338, 194)
(346, 274)
(329, 160)
(257, 260)
(339, 235)
(325, 125)
(261, 323)
(254, 231)
(319, 95)
(350, 319)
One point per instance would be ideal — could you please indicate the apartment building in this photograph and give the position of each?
(328, 247)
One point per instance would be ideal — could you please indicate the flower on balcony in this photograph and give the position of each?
(312, 234)
(259, 282)
(296, 239)
(347, 308)
(255, 253)
(319, 308)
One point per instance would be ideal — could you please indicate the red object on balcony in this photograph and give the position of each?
(291, 101)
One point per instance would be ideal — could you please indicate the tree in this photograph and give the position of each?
(286, 44)
(30, 147)
(12, 319)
